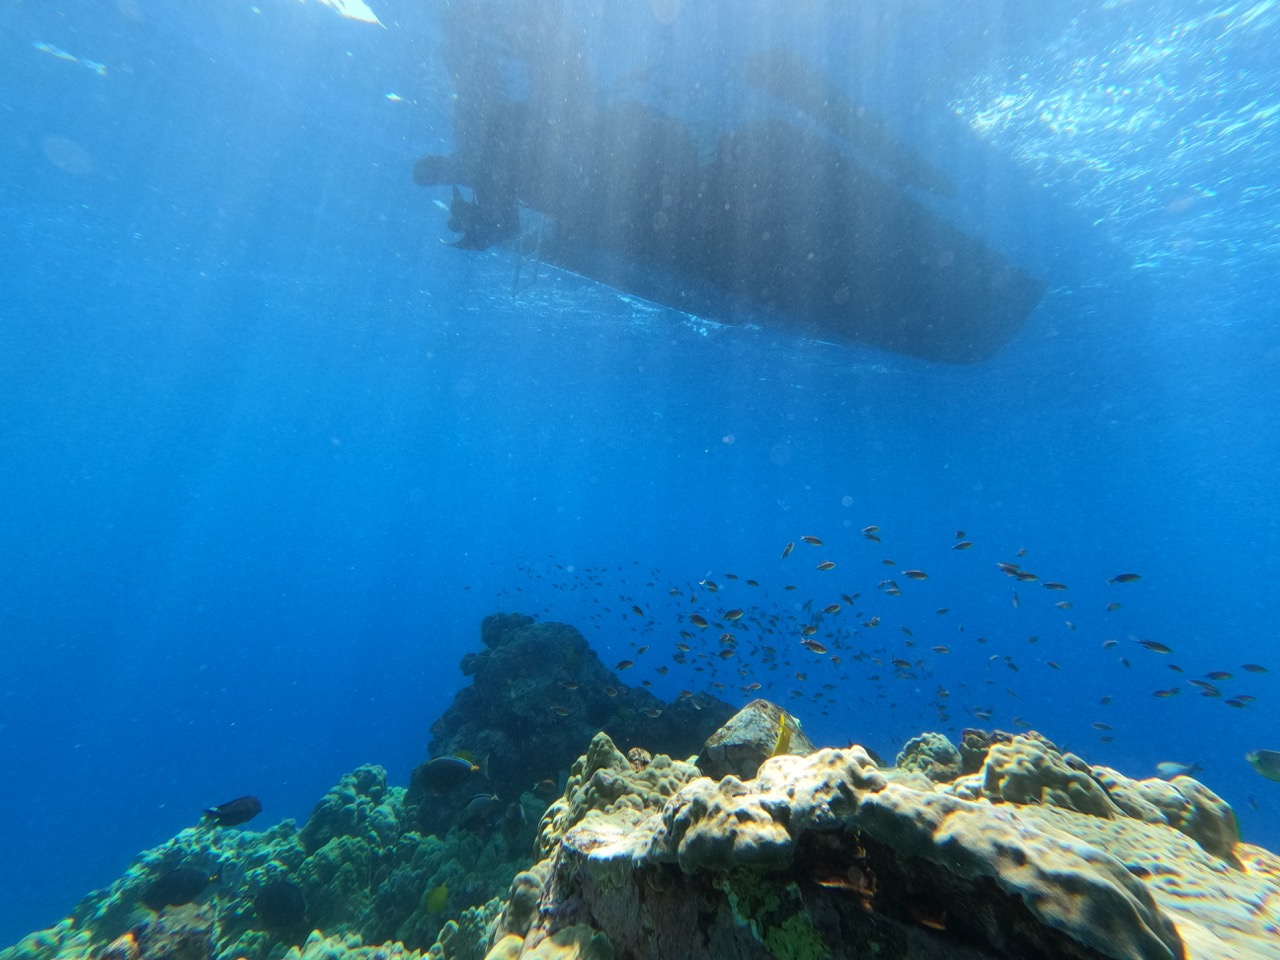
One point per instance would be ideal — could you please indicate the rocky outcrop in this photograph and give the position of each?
(538, 692)
(755, 733)
(1033, 855)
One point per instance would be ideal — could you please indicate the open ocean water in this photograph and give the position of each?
(269, 450)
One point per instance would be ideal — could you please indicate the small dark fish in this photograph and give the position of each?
(1207, 689)
(1008, 569)
(174, 888)
(962, 545)
(1253, 667)
(1053, 585)
(734, 614)
(786, 551)
(813, 646)
(653, 713)
(1155, 646)
(234, 812)
(624, 665)
(831, 608)
(1026, 576)
(1125, 578)
(443, 774)
(915, 574)
(1099, 725)
(1112, 607)
(1218, 675)
(1171, 692)
(1238, 702)
(637, 611)
(827, 565)
(280, 906)
(478, 810)
(698, 620)
(812, 541)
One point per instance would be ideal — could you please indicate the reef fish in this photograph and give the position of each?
(478, 811)
(234, 812)
(1155, 646)
(176, 887)
(1170, 769)
(783, 744)
(438, 899)
(1266, 762)
(443, 774)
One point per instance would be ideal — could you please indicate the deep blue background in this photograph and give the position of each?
(269, 452)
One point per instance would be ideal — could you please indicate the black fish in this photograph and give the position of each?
(478, 811)
(234, 812)
(280, 906)
(176, 887)
(443, 774)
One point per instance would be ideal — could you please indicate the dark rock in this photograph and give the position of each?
(538, 692)
(748, 739)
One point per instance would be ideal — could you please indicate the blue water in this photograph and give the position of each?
(269, 451)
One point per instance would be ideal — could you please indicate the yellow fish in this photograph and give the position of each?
(438, 899)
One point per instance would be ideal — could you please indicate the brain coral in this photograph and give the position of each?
(1027, 771)
(1038, 855)
(931, 754)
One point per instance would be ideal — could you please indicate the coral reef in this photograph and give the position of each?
(361, 874)
(932, 755)
(1034, 854)
(1004, 846)
(538, 692)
